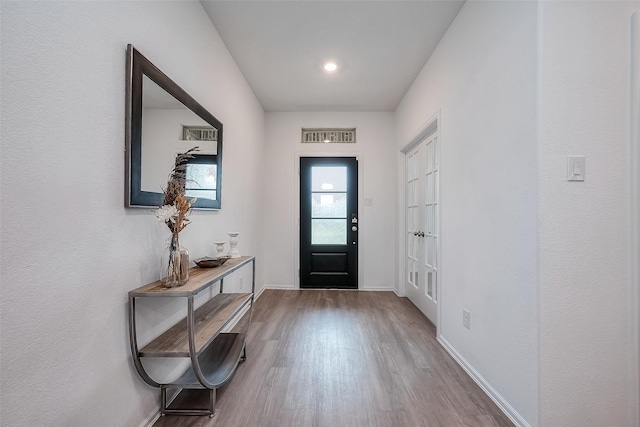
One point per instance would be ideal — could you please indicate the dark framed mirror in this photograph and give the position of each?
(162, 120)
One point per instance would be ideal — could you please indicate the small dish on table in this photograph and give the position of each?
(209, 262)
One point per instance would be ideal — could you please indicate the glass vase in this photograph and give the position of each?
(174, 264)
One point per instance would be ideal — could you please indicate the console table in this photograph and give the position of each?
(214, 354)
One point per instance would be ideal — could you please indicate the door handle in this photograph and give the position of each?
(354, 228)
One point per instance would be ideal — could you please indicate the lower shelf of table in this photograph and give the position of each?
(217, 362)
(191, 402)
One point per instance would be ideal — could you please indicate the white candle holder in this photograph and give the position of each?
(233, 245)
(219, 249)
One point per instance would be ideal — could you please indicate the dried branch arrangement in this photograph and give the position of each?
(175, 207)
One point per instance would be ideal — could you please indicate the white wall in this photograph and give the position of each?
(70, 250)
(281, 186)
(482, 78)
(585, 292)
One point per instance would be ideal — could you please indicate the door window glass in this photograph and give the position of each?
(328, 231)
(328, 205)
(329, 178)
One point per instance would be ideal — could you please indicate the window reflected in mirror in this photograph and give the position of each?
(201, 177)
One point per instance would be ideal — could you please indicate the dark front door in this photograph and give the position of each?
(329, 222)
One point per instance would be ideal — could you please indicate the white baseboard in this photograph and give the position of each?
(280, 287)
(276, 287)
(289, 288)
(257, 294)
(377, 290)
(149, 421)
(504, 406)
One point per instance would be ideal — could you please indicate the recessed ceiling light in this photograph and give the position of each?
(330, 66)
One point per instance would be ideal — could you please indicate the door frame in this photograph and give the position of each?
(361, 216)
(432, 126)
(634, 134)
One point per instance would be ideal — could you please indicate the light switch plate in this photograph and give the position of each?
(368, 201)
(575, 168)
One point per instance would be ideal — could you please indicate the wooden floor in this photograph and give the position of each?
(329, 358)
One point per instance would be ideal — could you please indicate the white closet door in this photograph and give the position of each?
(422, 210)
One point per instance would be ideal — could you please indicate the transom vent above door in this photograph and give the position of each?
(330, 135)
(199, 133)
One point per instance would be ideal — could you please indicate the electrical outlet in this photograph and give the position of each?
(466, 319)
(241, 283)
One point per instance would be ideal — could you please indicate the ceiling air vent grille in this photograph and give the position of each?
(339, 136)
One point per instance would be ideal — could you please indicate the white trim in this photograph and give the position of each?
(282, 288)
(401, 272)
(257, 294)
(361, 216)
(635, 211)
(430, 126)
(150, 420)
(497, 398)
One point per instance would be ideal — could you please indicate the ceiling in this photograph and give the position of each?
(379, 47)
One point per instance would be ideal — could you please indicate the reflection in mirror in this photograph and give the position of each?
(170, 128)
(201, 175)
(163, 121)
